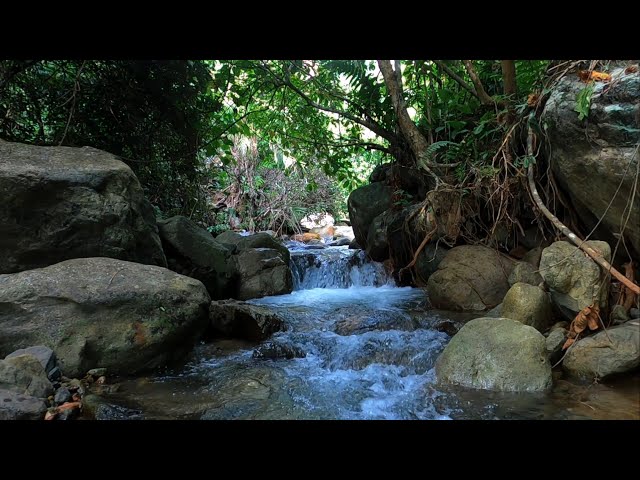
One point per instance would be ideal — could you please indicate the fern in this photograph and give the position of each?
(432, 149)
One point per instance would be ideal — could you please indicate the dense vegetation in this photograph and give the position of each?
(181, 126)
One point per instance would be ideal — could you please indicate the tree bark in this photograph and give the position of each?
(509, 76)
(393, 81)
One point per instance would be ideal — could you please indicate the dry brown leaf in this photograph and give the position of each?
(631, 69)
(532, 99)
(586, 318)
(587, 76)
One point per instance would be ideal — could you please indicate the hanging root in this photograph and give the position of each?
(418, 250)
(597, 257)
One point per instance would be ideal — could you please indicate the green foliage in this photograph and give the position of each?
(153, 114)
(583, 101)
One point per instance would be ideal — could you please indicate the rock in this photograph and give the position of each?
(317, 220)
(532, 238)
(574, 279)
(429, 260)
(527, 304)
(55, 374)
(533, 257)
(358, 324)
(377, 240)
(496, 354)
(25, 375)
(564, 325)
(45, 356)
(271, 233)
(366, 203)
(344, 232)
(92, 312)
(554, 344)
(327, 232)
(591, 156)
(276, 350)
(81, 202)
(244, 320)
(16, 406)
(597, 357)
(470, 278)
(257, 240)
(63, 395)
(97, 372)
(447, 326)
(524, 272)
(306, 237)
(634, 313)
(192, 251)
(618, 315)
(354, 245)
(340, 242)
(495, 312)
(262, 272)
(380, 172)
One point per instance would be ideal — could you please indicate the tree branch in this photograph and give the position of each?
(485, 99)
(581, 244)
(456, 77)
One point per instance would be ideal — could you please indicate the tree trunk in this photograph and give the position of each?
(509, 76)
(393, 81)
(484, 97)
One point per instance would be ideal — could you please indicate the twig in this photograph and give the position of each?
(114, 276)
(597, 257)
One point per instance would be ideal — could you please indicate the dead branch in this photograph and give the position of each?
(418, 250)
(597, 257)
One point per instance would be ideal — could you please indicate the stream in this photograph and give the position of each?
(369, 350)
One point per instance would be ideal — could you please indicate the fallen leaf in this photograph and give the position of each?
(586, 318)
(532, 99)
(68, 406)
(587, 76)
(50, 415)
(568, 343)
(631, 69)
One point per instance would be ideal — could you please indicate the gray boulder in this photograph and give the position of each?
(598, 357)
(257, 240)
(261, 272)
(555, 341)
(25, 375)
(364, 204)
(102, 312)
(524, 272)
(192, 251)
(594, 156)
(496, 354)
(527, 304)
(574, 279)
(61, 202)
(470, 278)
(45, 356)
(243, 320)
(16, 406)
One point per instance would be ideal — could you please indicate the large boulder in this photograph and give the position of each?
(428, 261)
(574, 279)
(45, 356)
(470, 278)
(496, 354)
(192, 251)
(594, 157)
(606, 353)
(102, 312)
(16, 406)
(366, 203)
(24, 374)
(527, 304)
(61, 202)
(524, 272)
(257, 240)
(243, 320)
(261, 272)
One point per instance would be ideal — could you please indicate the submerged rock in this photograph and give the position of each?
(244, 320)
(276, 350)
(496, 354)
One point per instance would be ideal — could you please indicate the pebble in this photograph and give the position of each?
(63, 395)
(97, 372)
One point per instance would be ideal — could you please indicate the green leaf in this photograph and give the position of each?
(583, 101)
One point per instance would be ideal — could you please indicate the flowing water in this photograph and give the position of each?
(369, 350)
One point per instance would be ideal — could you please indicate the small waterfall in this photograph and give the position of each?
(336, 267)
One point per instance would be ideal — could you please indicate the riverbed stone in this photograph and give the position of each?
(470, 278)
(45, 356)
(524, 272)
(606, 353)
(366, 203)
(261, 272)
(496, 354)
(554, 343)
(527, 304)
(575, 281)
(24, 374)
(17, 406)
(244, 320)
